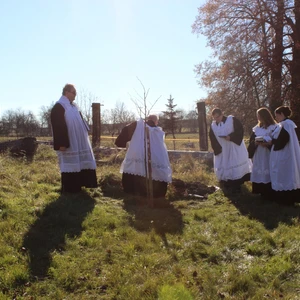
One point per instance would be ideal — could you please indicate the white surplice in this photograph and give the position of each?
(79, 156)
(134, 162)
(233, 162)
(261, 159)
(285, 163)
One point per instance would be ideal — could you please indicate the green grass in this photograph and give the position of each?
(99, 245)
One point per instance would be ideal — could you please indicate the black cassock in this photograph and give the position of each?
(135, 184)
(70, 182)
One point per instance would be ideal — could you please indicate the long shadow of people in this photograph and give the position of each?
(269, 213)
(163, 218)
(111, 186)
(60, 219)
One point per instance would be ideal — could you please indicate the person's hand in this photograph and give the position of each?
(266, 144)
(62, 148)
(227, 138)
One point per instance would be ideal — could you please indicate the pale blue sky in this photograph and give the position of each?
(101, 46)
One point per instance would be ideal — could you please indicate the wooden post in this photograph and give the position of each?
(96, 128)
(203, 141)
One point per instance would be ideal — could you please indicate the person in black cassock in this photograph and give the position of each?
(71, 142)
(134, 165)
(231, 163)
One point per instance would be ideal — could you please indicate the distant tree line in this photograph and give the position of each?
(172, 121)
(256, 55)
(20, 123)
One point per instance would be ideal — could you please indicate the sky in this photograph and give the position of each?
(103, 47)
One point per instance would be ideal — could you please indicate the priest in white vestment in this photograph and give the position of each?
(285, 159)
(71, 142)
(231, 163)
(134, 166)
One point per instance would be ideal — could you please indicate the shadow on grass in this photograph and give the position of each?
(164, 218)
(60, 219)
(111, 186)
(269, 213)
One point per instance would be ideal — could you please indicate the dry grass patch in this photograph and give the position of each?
(99, 245)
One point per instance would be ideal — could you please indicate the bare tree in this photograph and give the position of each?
(115, 119)
(84, 100)
(8, 122)
(141, 103)
(293, 20)
(249, 41)
(45, 120)
(191, 121)
(20, 123)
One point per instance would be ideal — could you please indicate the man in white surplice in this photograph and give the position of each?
(71, 142)
(133, 167)
(231, 163)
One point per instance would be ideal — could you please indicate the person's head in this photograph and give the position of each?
(217, 115)
(264, 117)
(153, 118)
(69, 91)
(282, 112)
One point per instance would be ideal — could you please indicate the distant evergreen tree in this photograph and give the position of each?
(171, 117)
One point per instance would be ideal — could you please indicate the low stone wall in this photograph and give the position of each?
(206, 156)
(196, 154)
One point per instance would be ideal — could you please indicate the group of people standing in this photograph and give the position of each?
(280, 180)
(271, 161)
(77, 162)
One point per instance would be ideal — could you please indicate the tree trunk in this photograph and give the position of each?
(203, 141)
(277, 59)
(295, 67)
(149, 182)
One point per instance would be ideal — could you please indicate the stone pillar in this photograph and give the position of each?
(203, 141)
(96, 128)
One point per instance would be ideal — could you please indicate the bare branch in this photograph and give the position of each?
(141, 103)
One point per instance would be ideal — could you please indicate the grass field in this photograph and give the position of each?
(99, 244)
